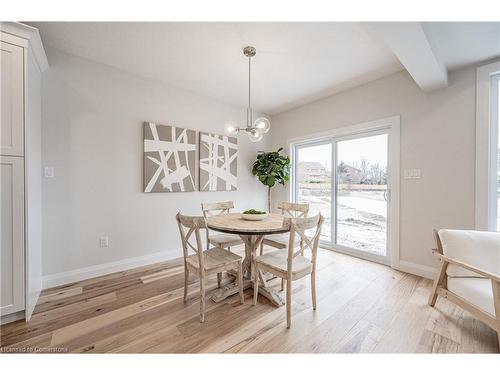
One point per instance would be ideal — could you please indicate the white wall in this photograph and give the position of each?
(437, 136)
(92, 135)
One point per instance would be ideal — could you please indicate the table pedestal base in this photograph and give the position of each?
(252, 243)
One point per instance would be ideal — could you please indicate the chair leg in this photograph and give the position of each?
(437, 282)
(313, 289)
(229, 248)
(240, 281)
(255, 283)
(261, 248)
(219, 279)
(282, 284)
(186, 280)
(288, 303)
(202, 299)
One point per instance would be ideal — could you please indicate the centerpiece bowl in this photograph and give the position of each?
(254, 215)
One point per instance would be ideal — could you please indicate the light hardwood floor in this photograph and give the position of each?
(362, 307)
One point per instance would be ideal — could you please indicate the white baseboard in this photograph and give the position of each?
(58, 279)
(12, 317)
(417, 269)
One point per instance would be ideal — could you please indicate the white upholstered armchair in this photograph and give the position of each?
(469, 273)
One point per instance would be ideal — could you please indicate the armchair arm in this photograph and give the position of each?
(467, 266)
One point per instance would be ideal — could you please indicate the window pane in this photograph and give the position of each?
(313, 179)
(362, 194)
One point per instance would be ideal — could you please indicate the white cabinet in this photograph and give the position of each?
(12, 235)
(12, 100)
(22, 62)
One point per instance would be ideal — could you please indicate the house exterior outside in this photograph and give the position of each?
(312, 172)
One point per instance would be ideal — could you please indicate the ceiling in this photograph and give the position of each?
(458, 44)
(295, 63)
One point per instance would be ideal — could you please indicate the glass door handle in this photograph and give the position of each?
(387, 195)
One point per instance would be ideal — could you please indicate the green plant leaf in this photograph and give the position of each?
(272, 168)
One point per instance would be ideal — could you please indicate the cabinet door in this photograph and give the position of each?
(12, 235)
(12, 99)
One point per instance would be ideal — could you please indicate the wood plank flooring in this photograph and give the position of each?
(363, 307)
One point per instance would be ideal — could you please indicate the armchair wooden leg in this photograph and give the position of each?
(186, 281)
(202, 299)
(229, 248)
(313, 289)
(440, 277)
(288, 303)
(255, 283)
(261, 248)
(496, 300)
(219, 279)
(240, 281)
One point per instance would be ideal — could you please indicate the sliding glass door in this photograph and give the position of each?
(361, 194)
(313, 163)
(346, 179)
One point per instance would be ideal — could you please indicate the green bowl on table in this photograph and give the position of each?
(254, 215)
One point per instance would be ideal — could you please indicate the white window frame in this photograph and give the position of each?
(392, 126)
(486, 146)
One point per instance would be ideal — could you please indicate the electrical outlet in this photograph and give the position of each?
(411, 174)
(48, 172)
(104, 241)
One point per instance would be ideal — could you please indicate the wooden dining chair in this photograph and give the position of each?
(221, 239)
(214, 260)
(291, 265)
(288, 209)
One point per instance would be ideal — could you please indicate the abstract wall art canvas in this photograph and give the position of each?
(218, 162)
(169, 158)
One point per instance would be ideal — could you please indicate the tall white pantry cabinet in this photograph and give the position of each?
(22, 62)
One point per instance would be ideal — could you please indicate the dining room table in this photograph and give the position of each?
(252, 233)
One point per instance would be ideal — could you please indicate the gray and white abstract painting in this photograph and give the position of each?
(218, 162)
(169, 158)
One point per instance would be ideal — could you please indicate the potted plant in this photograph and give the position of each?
(271, 168)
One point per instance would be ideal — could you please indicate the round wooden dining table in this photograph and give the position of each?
(252, 233)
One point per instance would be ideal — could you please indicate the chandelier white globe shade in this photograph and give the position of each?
(231, 128)
(263, 124)
(255, 135)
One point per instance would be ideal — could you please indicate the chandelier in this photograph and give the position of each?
(255, 129)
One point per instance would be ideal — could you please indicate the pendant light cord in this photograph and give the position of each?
(249, 109)
(249, 78)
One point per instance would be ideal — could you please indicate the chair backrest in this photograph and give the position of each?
(439, 245)
(298, 227)
(480, 249)
(217, 208)
(189, 226)
(294, 209)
